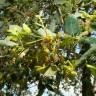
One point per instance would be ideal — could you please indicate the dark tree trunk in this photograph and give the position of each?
(94, 86)
(87, 89)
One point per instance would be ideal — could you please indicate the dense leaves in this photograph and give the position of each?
(43, 43)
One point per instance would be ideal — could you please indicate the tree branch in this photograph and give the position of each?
(87, 54)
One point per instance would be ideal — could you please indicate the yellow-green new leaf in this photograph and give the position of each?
(22, 54)
(50, 72)
(26, 29)
(92, 69)
(40, 68)
(15, 30)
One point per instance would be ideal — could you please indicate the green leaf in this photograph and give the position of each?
(94, 0)
(3, 3)
(68, 41)
(26, 29)
(59, 1)
(18, 31)
(91, 40)
(40, 68)
(71, 25)
(22, 54)
(15, 30)
(7, 42)
(50, 72)
(46, 32)
(84, 14)
(92, 68)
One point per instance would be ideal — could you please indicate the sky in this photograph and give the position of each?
(33, 89)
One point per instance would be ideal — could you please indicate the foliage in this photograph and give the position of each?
(39, 43)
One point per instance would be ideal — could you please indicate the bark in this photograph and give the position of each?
(87, 89)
